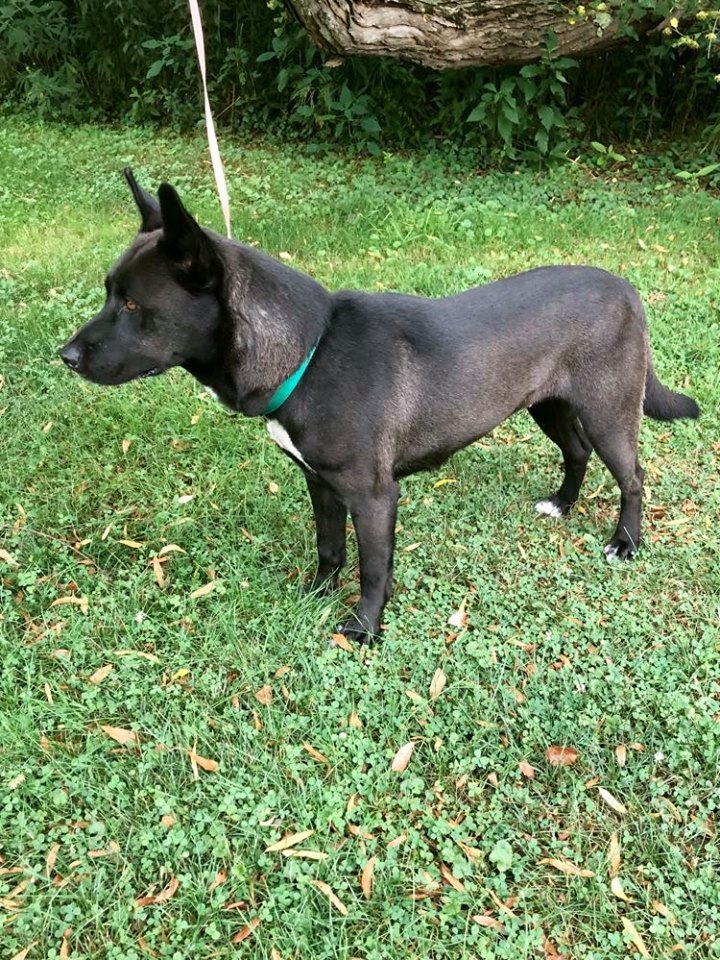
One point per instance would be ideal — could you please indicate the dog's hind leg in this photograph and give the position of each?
(557, 420)
(330, 517)
(374, 520)
(614, 435)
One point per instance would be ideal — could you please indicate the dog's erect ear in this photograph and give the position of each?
(184, 240)
(147, 205)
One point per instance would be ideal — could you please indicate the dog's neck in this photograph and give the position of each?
(273, 317)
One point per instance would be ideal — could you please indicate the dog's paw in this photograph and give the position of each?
(356, 632)
(619, 549)
(552, 507)
(321, 586)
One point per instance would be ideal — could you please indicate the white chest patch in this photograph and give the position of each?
(282, 439)
(212, 393)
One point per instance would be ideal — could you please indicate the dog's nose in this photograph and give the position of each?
(70, 355)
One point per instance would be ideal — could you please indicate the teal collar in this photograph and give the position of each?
(287, 386)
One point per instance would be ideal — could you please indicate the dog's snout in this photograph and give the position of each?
(70, 355)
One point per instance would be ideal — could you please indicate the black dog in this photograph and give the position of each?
(365, 388)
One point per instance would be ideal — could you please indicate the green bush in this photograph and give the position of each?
(99, 59)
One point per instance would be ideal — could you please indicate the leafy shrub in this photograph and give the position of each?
(100, 59)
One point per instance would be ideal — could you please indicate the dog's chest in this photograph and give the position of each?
(282, 439)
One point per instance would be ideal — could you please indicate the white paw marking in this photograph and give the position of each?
(548, 508)
(282, 439)
(611, 553)
(212, 393)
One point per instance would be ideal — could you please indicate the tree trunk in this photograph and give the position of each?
(449, 35)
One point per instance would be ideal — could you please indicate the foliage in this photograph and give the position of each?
(106, 60)
(552, 647)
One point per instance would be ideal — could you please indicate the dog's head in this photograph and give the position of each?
(162, 307)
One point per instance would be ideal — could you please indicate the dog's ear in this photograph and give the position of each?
(184, 240)
(147, 205)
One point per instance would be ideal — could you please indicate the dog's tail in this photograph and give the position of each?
(660, 403)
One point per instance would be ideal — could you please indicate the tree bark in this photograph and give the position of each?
(448, 35)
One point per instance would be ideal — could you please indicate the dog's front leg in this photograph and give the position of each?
(374, 521)
(330, 516)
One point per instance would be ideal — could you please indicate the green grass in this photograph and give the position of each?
(559, 647)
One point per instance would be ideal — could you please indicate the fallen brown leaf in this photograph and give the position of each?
(203, 591)
(101, 674)
(210, 766)
(246, 931)
(133, 544)
(621, 754)
(614, 856)
(437, 684)
(567, 866)
(171, 548)
(11, 562)
(402, 757)
(51, 858)
(220, 878)
(397, 841)
(315, 754)
(612, 801)
(305, 854)
(81, 602)
(291, 840)
(460, 618)
(527, 770)
(355, 721)
(340, 640)
(334, 900)
(264, 695)
(561, 756)
(617, 890)
(24, 952)
(450, 878)
(489, 922)
(120, 734)
(164, 895)
(167, 821)
(65, 945)
(158, 571)
(366, 880)
(664, 911)
(635, 937)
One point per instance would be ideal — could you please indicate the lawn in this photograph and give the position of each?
(170, 711)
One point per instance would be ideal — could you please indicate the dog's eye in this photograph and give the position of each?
(131, 306)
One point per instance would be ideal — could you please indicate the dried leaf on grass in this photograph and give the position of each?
(635, 937)
(402, 757)
(291, 840)
(561, 756)
(81, 602)
(101, 674)
(205, 763)
(489, 922)
(246, 931)
(567, 866)
(614, 856)
(203, 591)
(24, 952)
(315, 754)
(264, 695)
(527, 770)
(366, 880)
(65, 945)
(460, 618)
(612, 801)
(664, 911)
(334, 900)
(340, 640)
(162, 897)
(437, 684)
(120, 734)
(617, 890)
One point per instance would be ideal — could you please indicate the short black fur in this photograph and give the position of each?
(397, 383)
